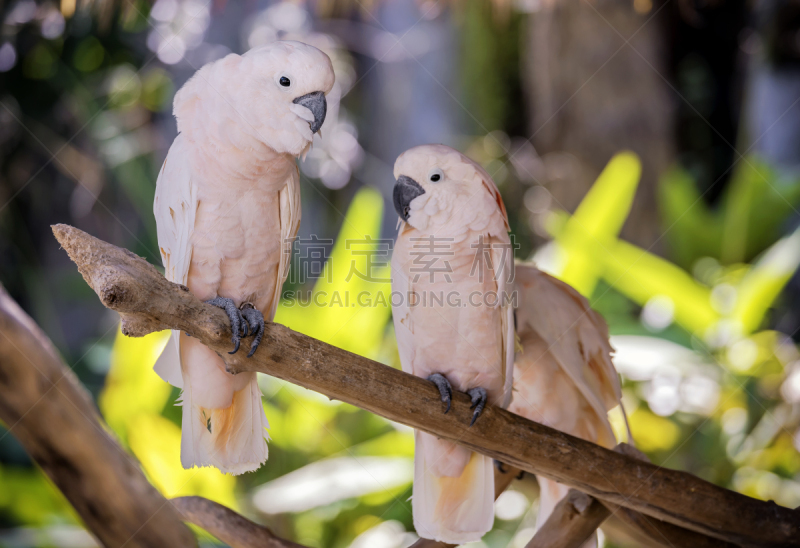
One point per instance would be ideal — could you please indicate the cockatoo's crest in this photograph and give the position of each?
(272, 95)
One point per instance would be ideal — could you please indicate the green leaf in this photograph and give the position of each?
(641, 275)
(691, 229)
(348, 311)
(763, 283)
(156, 442)
(598, 220)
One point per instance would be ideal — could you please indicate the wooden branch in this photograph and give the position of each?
(147, 302)
(644, 530)
(44, 405)
(574, 519)
(231, 528)
(649, 531)
(625, 523)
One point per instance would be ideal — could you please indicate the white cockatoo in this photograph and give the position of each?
(453, 266)
(227, 207)
(563, 376)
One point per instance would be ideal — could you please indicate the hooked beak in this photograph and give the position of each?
(405, 191)
(316, 103)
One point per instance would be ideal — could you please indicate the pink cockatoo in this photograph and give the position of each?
(227, 207)
(563, 376)
(453, 267)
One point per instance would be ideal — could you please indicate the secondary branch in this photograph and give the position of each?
(147, 302)
(51, 414)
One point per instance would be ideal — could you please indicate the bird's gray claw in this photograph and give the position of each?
(234, 315)
(478, 396)
(255, 319)
(500, 466)
(445, 390)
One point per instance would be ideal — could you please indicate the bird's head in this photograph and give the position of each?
(284, 85)
(440, 189)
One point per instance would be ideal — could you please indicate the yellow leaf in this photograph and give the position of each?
(156, 442)
(598, 220)
(651, 432)
(348, 311)
(132, 387)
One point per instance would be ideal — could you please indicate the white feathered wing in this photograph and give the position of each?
(564, 376)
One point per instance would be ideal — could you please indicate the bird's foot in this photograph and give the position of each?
(445, 390)
(478, 396)
(255, 319)
(238, 323)
(501, 467)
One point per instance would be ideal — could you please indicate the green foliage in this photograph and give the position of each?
(351, 305)
(746, 427)
(29, 497)
(588, 248)
(762, 284)
(132, 387)
(490, 66)
(88, 55)
(725, 269)
(755, 206)
(597, 221)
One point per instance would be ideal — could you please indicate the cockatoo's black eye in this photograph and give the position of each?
(435, 175)
(285, 82)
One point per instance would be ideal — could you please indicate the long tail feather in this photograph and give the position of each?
(223, 418)
(454, 509)
(231, 439)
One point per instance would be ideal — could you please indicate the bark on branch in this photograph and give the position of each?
(147, 302)
(231, 528)
(51, 414)
(572, 522)
(625, 523)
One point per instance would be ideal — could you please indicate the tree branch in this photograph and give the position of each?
(573, 520)
(649, 531)
(147, 302)
(231, 528)
(625, 523)
(44, 405)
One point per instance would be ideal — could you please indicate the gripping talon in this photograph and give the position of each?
(255, 319)
(236, 342)
(478, 396)
(235, 317)
(445, 390)
(500, 467)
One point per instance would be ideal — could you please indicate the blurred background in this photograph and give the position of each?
(647, 152)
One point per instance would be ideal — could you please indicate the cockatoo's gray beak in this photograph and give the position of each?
(405, 191)
(316, 103)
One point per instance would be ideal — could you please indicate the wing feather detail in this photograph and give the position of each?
(289, 197)
(576, 335)
(175, 209)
